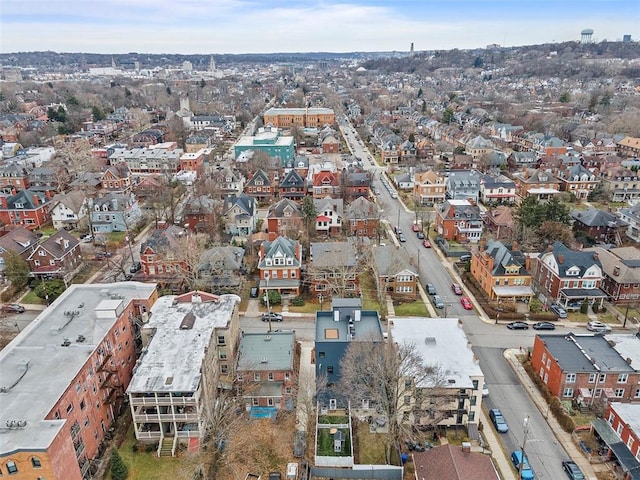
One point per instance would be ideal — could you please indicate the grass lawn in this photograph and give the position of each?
(32, 298)
(413, 309)
(582, 419)
(325, 443)
(85, 273)
(578, 317)
(371, 446)
(370, 294)
(310, 306)
(116, 237)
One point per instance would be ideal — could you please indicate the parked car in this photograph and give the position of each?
(596, 326)
(437, 301)
(518, 326)
(275, 476)
(465, 258)
(402, 238)
(466, 303)
(255, 291)
(544, 326)
(426, 243)
(12, 308)
(275, 317)
(498, 420)
(415, 227)
(521, 463)
(456, 289)
(420, 235)
(136, 267)
(572, 470)
(87, 239)
(485, 390)
(558, 310)
(397, 230)
(431, 289)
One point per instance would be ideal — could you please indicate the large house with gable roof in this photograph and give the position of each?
(241, 215)
(279, 265)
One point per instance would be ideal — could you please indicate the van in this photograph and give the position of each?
(465, 258)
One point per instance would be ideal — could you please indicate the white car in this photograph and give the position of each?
(87, 239)
(596, 326)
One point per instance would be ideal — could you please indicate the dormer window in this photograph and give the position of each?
(573, 272)
(19, 205)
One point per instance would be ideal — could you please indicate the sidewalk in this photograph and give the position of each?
(563, 437)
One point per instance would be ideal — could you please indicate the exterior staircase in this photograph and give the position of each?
(166, 447)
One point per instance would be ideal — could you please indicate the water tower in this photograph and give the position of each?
(585, 35)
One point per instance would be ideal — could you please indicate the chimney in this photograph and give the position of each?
(3, 200)
(595, 256)
(514, 246)
(466, 447)
(616, 271)
(527, 263)
(36, 200)
(560, 259)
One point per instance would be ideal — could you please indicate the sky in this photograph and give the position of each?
(271, 26)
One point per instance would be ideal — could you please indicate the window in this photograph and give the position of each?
(619, 392)
(221, 340)
(637, 394)
(567, 392)
(256, 377)
(82, 404)
(623, 377)
(544, 358)
(592, 378)
(270, 402)
(288, 390)
(472, 416)
(224, 369)
(602, 378)
(222, 355)
(330, 370)
(11, 467)
(287, 376)
(473, 400)
(86, 421)
(69, 408)
(35, 462)
(475, 384)
(571, 378)
(270, 376)
(320, 354)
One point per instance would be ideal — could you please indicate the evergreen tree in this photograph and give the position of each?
(119, 470)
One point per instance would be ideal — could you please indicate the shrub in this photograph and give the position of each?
(584, 308)
(274, 298)
(118, 468)
(297, 302)
(151, 447)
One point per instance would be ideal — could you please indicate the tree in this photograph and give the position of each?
(556, 211)
(530, 212)
(97, 113)
(447, 116)
(49, 290)
(565, 97)
(16, 269)
(119, 470)
(385, 373)
(189, 252)
(308, 213)
(551, 231)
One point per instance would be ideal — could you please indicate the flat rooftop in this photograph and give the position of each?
(266, 351)
(348, 326)
(173, 359)
(36, 369)
(441, 341)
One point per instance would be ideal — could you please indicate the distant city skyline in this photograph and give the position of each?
(251, 26)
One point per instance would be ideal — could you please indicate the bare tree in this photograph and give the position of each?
(188, 254)
(336, 266)
(388, 375)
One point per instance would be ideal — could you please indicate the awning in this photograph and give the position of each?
(519, 291)
(582, 293)
(276, 283)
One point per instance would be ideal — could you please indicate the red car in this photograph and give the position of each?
(456, 289)
(426, 243)
(466, 303)
(415, 227)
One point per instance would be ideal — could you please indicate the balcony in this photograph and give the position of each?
(156, 401)
(165, 417)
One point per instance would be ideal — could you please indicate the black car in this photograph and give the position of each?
(275, 317)
(544, 326)
(255, 291)
(420, 235)
(518, 326)
(135, 267)
(572, 470)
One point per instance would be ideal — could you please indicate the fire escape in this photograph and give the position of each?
(109, 379)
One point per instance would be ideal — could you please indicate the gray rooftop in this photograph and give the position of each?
(177, 353)
(440, 341)
(35, 369)
(334, 326)
(266, 351)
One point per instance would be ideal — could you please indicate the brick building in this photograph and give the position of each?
(299, 117)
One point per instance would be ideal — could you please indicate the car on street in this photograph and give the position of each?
(437, 301)
(485, 390)
(12, 308)
(430, 288)
(558, 310)
(521, 463)
(415, 227)
(254, 292)
(466, 303)
(87, 239)
(274, 317)
(456, 289)
(595, 326)
(402, 238)
(136, 267)
(394, 195)
(518, 326)
(572, 470)
(397, 230)
(420, 235)
(426, 243)
(544, 326)
(465, 258)
(498, 420)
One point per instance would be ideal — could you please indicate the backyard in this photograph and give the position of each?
(411, 309)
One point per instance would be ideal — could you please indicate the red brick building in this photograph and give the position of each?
(619, 432)
(58, 256)
(363, 218)
(284, 218)
(26, 208)
(459, 220)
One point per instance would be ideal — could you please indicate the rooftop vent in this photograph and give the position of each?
(430, 340)
(188, 321)
(80, 339)
(267, 338)
(66, 342)
(264, 360)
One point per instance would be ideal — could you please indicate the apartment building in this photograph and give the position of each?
(64, 378)
(299, 117)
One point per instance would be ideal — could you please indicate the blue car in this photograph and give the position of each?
(518, 458)
(498, 420)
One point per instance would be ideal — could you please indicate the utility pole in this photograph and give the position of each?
(524, 443)
(266, 296)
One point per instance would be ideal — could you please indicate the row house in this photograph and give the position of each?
(151, 187)
(364, 218)
(240, 214)
(266, 372)
(147, 138)
(477, 147)
(27, 208)
(13, 177)
(596, 146)
(226, 181)
(631, 215)
(292, 186)
(196, 142)
(459, 220)
(622, 183)
(463, 185)
(284, 218)
(193, 162)
(609, 371)
(619, 431)
(425, 149)
(429, 188)
(502, 271)
(325, 183)
(394, 274)
(164, 161)
(621, 273)
(355, 184)
(69, 210)
(279, 263)
(519, 160)
(333, 269)
(408, 153)
(260, 186)
(578, 181)
(58, 256)
(629, 147)
(497, 189)
(221, 269)
(569, 276)
(16, 241)
(329, 216)
(535, 183)
(89, 336)
(601, 226)
(114, 212)
(190, 342)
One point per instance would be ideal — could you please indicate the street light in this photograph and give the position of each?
(524, 443)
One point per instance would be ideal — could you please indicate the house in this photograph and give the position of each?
(577, 180)
(266, 372)
(452, 462)
(599, 226)
(220, 269)
(631, 215)
(346, 322)
(58, 256)
(394, 274)
(16, 240)
(240, 214)
(355, 184)
(621, 273)
(518, 160)
(27, 208)
(463, 185)
(279, 263)
(497, 189)
(268, 140)
(477, 147)
(89, 337)
(330, 144)
(537, 183)
(629, 147)
(363, 218)
(285, 218)
(114, 212)
(459, 220)
(226, 181)
(569, 276)
(117, 178)
(404, 181)
(260, 186)
(589, 368)
(171, 395)
(502, 271)
(150, 187)
(13, 177)
(292, 186)
(326, 183)
(161, 258)
(193, 162)
(458, 399)
(69, 210)
(622, 183)
(500, 221)
(201, 214)
(429, 188)
(329, 215)
(333, 269)
(619, 431)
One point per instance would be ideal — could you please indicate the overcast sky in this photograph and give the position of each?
(263, 26)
